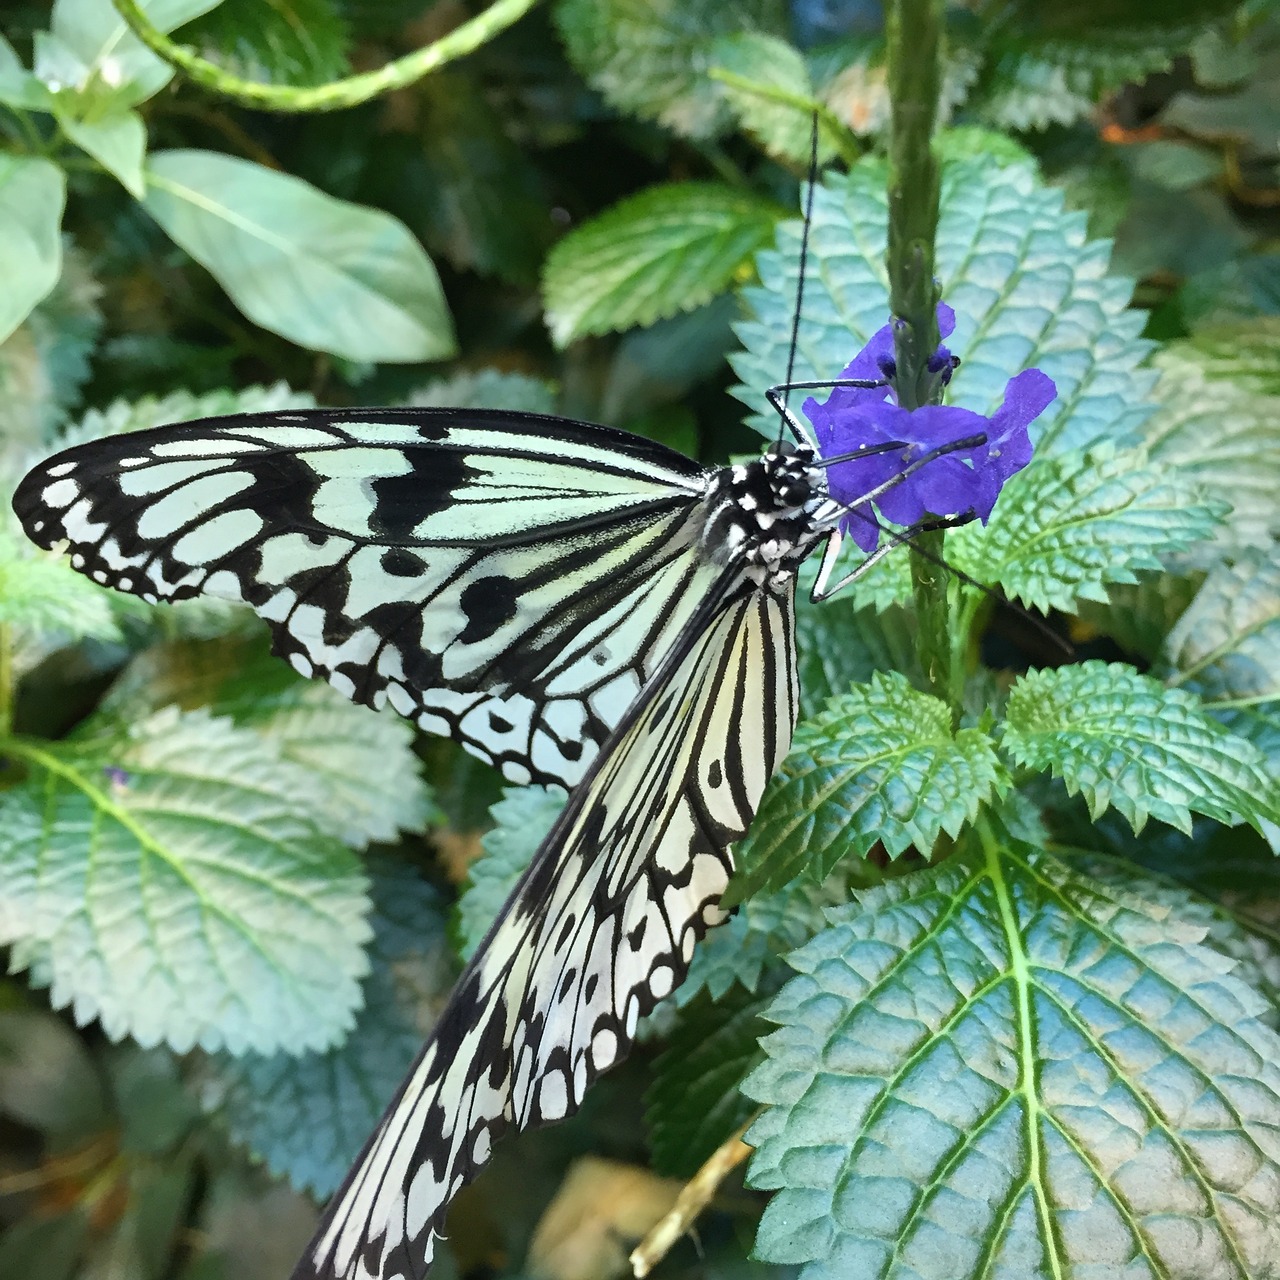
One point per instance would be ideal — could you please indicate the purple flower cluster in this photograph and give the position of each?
(969, 479)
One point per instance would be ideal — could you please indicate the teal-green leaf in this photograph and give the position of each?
(90, 55)
(306, 1117)
(117, 141)
(42, 593)
(752, 942)
(693, 1104)
(172, 884)
(324, 273)
(1226, 646)
(32, 194)
(1003, 1068)
(1121, 739)
(486, 389)
(521, 818)
(1139, 616)
(1075, 521)
(1029, 290)
(649, 57)
(19, 87)
(666, 250)
(879, 765)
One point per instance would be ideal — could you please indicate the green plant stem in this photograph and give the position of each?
(914, 29)
(348, 92)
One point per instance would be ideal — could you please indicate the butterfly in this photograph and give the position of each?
(577, 605)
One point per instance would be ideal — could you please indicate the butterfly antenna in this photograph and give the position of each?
(804, 262)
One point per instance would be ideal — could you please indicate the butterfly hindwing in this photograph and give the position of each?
(509, 580)
(600, 928)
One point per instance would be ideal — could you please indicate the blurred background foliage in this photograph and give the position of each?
(590, 189)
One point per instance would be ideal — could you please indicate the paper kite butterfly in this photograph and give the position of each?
(579, 606)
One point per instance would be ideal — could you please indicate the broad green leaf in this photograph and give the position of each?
(649, 57)
(19, 87)
(839, 644)
(1139, 616)
(43, 594)
(1219, 396)
(181, 406)
(373, 787)
(32, 194)
(287, 41)
(756, 937)
(89, 53)
(666, 250)
(321, 272)
(693, 1104)
(1226, 646)
(117, 141)
(748, 65)
(1000, 1067)
(173, 885)
(40, 1248)
(521, 818)
(881, 765)
(1028, 288)
(486, 389)
(1076, 521)
(307, 1117)
(1121, 739)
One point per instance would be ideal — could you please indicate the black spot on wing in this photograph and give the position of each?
(400, 563)
(487, 603)
(403, 502)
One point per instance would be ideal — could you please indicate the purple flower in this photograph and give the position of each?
(970, 479)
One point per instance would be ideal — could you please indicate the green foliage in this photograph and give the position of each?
(693, 1104)
(669, 249)
(646, 57)
(521, 818)
(880, 765)
(307, 1116)
(325, 273)
(1007, 1024)
(32, 192)
(1068, 319)
(172, 882)
(1079, 520)
(1122, 740)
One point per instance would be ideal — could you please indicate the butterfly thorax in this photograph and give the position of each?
(762, 512)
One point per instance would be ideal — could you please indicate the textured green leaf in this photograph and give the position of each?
(287, 41)
(307, 1117)
(693, 1104)
(45, 361)
(1219, 397)
(879, 765)
(1002, 1068)
(649, 57)
(321, 272)
(173, 885)
(90, 54)
(43, 593)
(839, 644)
(32, 194)
(666, 250)
(1028, 288)
(521, 818)
(486, 389)
(1073, 522)
(117, 141)
(758, 934)
(1121, 739)
(748, 65)
(1226, 646)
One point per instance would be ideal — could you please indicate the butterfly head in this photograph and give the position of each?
(763, 511)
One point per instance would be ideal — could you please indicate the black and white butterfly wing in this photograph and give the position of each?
(600, 928)
(510, 580)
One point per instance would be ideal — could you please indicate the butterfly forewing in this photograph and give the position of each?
(507, 579)
(600, 928)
